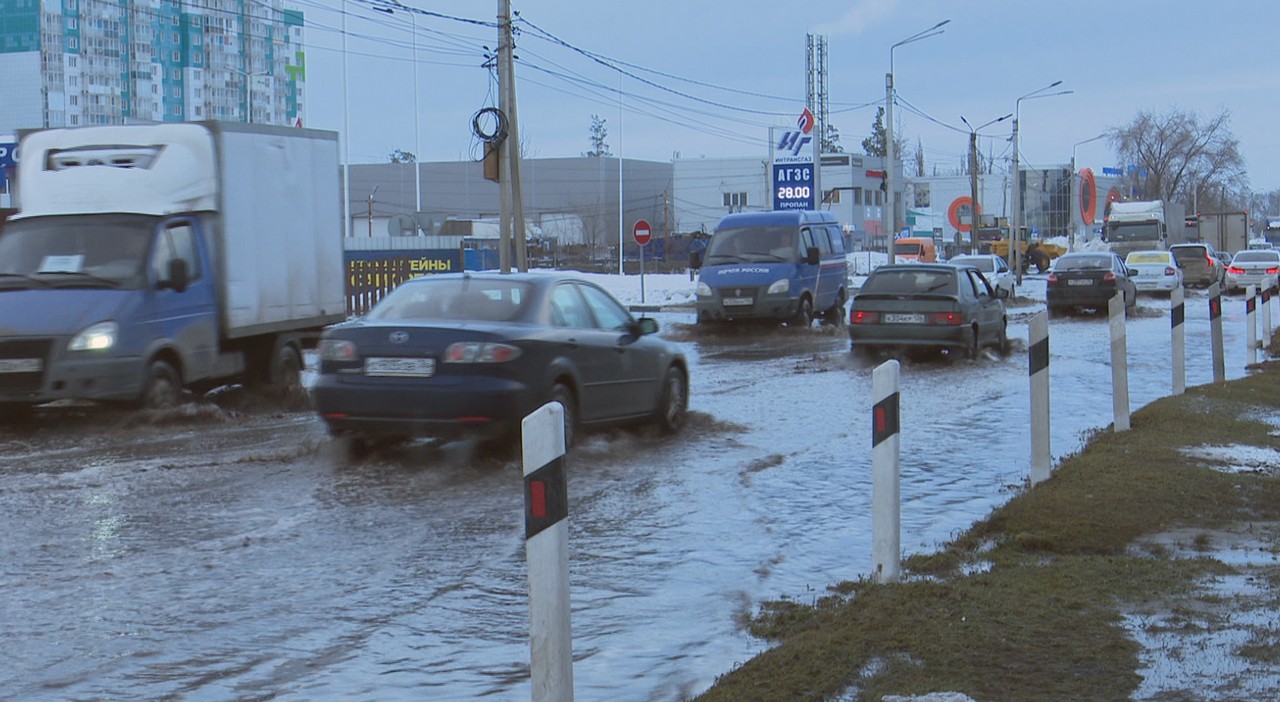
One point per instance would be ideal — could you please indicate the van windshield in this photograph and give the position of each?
(753, 245)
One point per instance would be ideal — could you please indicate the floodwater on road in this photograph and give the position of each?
(244, 555)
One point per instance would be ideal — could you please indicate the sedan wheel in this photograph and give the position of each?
(673, 406)
(561, 393)
(971, 349)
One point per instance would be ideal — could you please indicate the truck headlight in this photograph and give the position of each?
(702, 289)
(96, 337)
(779, 286)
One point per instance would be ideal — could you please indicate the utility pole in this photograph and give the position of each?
(510, 203)
(973, 191)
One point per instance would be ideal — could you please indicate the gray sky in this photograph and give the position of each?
(706, 78)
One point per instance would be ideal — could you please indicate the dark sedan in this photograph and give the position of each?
(928, 306)
(1089, 280)
(471, 354)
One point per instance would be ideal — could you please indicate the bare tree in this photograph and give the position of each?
(1176, 156)
(599, 147)
(919, 159)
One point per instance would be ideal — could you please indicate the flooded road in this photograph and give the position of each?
(208, 555)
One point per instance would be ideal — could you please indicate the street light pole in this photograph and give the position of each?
(888, 219)
(1071, 194)
(973, 178)
(1015, 226)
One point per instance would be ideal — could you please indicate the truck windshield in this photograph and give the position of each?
(908, 249)
(77, 251)
(1138, 231)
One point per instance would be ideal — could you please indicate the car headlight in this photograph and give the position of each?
(96, 337)
(702, 290)
(779, 287)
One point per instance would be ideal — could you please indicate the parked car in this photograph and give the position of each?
(1252, 267)
(1089, 280)
(928, 306)
(994, 268)
(1201, 264)
(1154, 271)
(471, 354)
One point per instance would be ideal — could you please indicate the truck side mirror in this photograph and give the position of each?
(812, 256)
(179, 276)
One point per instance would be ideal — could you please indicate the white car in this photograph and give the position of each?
(1252, 267)
(1154, 271)
(994, 268)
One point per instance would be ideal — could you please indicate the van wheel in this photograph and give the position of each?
(835, 315)
(804, 314)
(162, 387)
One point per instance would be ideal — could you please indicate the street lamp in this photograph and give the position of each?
(973, 178)
(248, 91)
(1071, 193)
(1015, 227)
(888, 219)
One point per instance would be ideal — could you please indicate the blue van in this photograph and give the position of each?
(786, 265)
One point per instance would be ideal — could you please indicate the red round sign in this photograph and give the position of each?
(641, 232)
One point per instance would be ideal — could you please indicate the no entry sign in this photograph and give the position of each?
(641, 232)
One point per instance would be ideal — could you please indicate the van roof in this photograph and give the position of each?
(776, 217)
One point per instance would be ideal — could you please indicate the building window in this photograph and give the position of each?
(735, 200)
(857, 196)
(73, 43)
(71, 23)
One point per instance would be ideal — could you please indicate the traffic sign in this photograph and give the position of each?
(641, 232)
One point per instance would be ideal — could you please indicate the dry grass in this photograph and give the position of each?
(1027, 604)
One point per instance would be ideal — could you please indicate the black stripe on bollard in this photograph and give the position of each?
(1215, 307)
(1251, 304)
(1038, 356)
(884, 419)
(1176, 316)
(1266, 295)
(546, 497)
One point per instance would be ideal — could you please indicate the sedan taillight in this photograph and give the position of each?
(1170, 270)
(1052, 279)
(480, 352)
(863, 317)
(1273, 271)
(338, 350)
(948, 319)
(1235, 271)
(1108, 277)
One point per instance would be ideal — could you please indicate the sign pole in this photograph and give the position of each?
(641, 233)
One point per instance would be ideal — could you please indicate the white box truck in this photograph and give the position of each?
(1144, 224)
(148, 259)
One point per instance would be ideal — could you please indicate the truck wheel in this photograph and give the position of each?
(286, 372)
(162, 387)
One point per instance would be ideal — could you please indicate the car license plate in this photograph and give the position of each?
(1079, 281)
(400, 367)
(904, 319)
(737, 301)
(21, 365)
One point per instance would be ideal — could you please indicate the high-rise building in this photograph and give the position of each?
(69, 63)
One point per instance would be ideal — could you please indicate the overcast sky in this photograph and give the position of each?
(703, 78)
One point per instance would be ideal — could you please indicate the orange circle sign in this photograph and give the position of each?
(1088, 196)
(953, 212)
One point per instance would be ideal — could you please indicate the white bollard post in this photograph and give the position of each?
(1215, 334)
(1251, 323)
(1264, 292)
(1119, 364)
(546, 548)
(886, 517)
(1038, 370)
(1179, 341)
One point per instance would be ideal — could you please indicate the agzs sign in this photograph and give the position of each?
(793, 142)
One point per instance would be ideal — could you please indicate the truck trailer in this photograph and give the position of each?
(145, 260)
(1228, 232)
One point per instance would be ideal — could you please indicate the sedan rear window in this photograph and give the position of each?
(483, 300)
(885, 281)
(1082, 263)
(985, 265)
(1256, 257)
(1147, 257)
(1189, 253)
